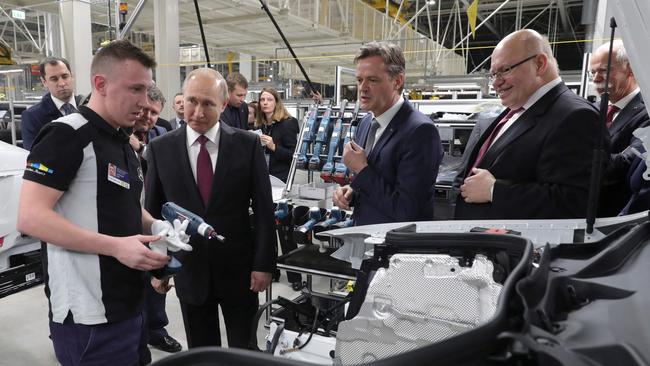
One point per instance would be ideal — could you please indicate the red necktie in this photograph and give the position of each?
(142, 136)
(611, 110)
(493, 135)
(204, 170)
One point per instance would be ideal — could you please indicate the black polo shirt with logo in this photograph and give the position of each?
(99, 174)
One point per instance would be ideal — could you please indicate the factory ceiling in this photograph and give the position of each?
(326, 33)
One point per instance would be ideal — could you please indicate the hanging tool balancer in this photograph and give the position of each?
(341, 172)
(309, 134)
(321, 134)
(335, 141)
(324, 131)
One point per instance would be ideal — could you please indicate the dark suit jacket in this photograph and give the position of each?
(285, 137)
(161, 122)
(241, 180)
(36, 116)
(615, 191)
(398, 183)
(483, 123)
(542, 163)
(243, 117)
(640, 188)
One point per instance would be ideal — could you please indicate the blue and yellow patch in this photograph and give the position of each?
(39, 168)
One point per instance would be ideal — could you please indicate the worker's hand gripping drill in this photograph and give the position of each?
(172, 238)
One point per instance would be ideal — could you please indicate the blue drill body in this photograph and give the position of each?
(196, 225)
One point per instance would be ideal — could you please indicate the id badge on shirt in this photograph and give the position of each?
(118, 176)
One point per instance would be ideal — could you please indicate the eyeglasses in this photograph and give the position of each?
(592, 73)
(507, 70)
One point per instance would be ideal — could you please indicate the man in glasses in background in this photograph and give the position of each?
(625, 113)
(534, 161)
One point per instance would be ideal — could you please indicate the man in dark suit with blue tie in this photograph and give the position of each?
(178, 120)
(180, 169)
(534, 161)
(397, 149)
(57, 102)
(236, 112)
(625, 113)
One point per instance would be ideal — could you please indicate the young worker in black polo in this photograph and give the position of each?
(81, 195)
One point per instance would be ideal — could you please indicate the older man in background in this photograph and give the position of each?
(625, 113)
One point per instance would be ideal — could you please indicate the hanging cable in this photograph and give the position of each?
(314, 327)
(205, 44)
(252, 343)
(277, 27)
(599, 152)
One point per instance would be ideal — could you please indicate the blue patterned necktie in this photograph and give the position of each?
(68, 108)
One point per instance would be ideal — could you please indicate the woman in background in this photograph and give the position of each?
(279, 136)
(252, 114)
(279, 132)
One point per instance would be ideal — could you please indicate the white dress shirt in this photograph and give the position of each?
(212, 145)
(385, 118)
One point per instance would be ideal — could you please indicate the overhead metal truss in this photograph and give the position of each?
(324, 33)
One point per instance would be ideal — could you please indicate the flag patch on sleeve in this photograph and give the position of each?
(39, 168)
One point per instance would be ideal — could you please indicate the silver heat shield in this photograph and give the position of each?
(418, 300)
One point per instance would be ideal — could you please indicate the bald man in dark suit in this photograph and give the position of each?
(534, 161)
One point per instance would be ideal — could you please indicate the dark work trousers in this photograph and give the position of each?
(155, 321)
(102, 344)
(202, 321)
(155, 315)
(287, 244)
(143, 348)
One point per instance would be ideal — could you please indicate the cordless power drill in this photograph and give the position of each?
(196, 226)
(172, 211)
